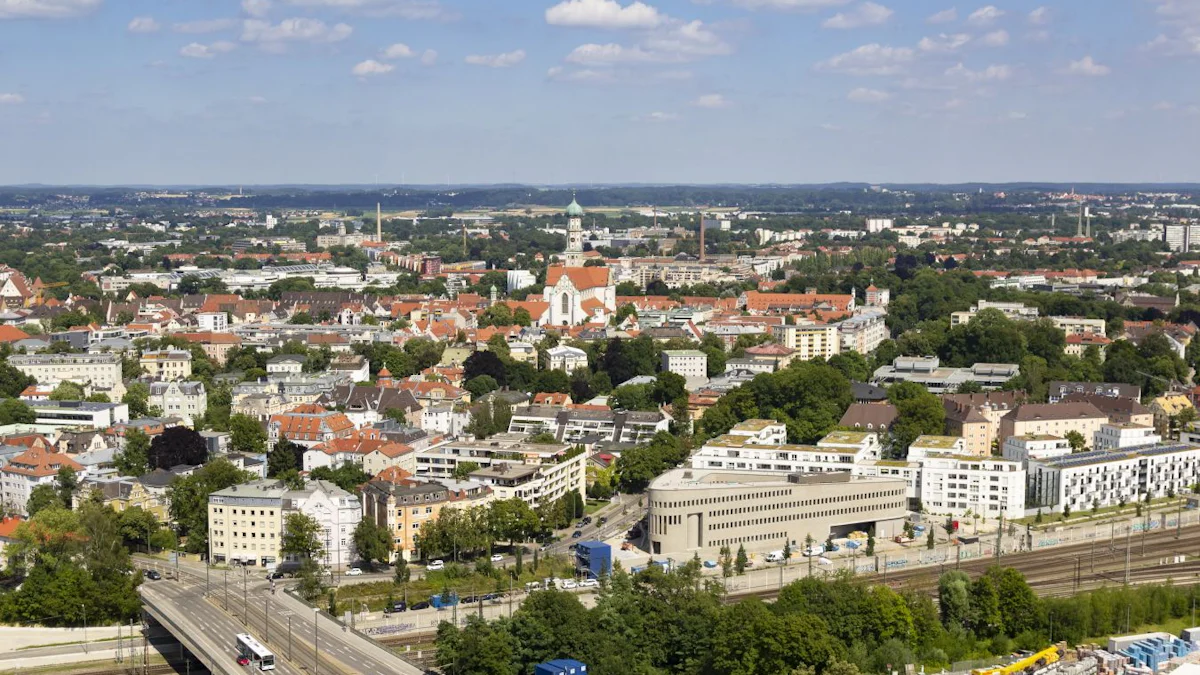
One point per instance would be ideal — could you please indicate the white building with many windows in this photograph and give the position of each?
(537, 473)
(1113, 436)
(179, 399)
(566, 358)
(168, 364)
(810, 339)
(1035, 446)
(863, 333)
(692, 364)
(986, 486)
(1111, 477)
(758, 445)
(100, 370)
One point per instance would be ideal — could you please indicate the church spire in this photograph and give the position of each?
(574, 253)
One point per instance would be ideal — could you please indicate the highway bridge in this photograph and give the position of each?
(205, 616)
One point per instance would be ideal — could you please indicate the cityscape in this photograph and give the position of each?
(721, 337)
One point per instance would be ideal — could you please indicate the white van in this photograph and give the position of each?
(815, 549)
(775, 557)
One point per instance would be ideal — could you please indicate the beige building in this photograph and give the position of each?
(810, 339)
(1055, 419)
(103, 371)
(168, 364)
(694, 510)
(245, 523)
(976, 418)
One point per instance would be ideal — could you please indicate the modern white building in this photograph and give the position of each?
(692, 364)
(100, 370)
(863, 333)
(1114, 436)
(810, 339)
(566, 358)
(1034, 447)
(518, 279)
(215, 322)
(575, 426)
(928, 372)
(82, 414)
(985, 486)
(758, 445)
(875, 225)
(1014, 310)
(1080, 325)
(534, 472)
(1111, 477)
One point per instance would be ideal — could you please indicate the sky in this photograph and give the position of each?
(583, 92)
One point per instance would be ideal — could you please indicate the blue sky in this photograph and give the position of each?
(597, 91)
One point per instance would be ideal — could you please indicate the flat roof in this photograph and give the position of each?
(755, 425)
(846, 437)
(687, 479)
(946, 442)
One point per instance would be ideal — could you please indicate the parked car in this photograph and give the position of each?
(354, 572)
(436, 565)
(496, 557)
(576, 534)
(568, 584)
(396, 608)
(587, 520)
(602, 521)
(153, 575)
(420, 605)
(271, 576)
(590, 583)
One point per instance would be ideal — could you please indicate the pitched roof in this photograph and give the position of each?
(12, 334)
(39, 463)
(1032, 412)
(582, 278)
(869, 416)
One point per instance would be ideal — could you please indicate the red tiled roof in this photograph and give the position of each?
(582, 278)
(12, 334)
(40, 463)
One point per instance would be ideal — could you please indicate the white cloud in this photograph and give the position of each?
(1039, 16)
(985, 15)
(944, 16)
(256, 8)
(46, 9)
(865, 95)
(258, 100)
(790, 5)
(603, 14)
(870, 59)
(596, 54)
(196, 50)
(560, 74)
(711, 101)
(505, 60)
(397, 51)
(658, 116)
(996, 38)
(943, 43)
(1087, 67)
(143, 24)
(429, 57)
(11, 99)
(403, 9)
(1017, 115)
(866, 14)
(954, 104)
(204, 26)
(1163, 106)
(830, 127)
(274, 37)
(372, 67)
(686, 41)
(991, 73)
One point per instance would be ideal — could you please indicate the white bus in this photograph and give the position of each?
(255, 654)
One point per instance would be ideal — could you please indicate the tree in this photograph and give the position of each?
(137, 397)
(42, 497)
(464, 469)
(485, 363)
(726, 561)
(134, 459)
(188, 499)
(247, 435)
(175, 446)
(870, 544)
(65, 483)
(301, 538)
(740, 563)
(481, 385)
(13, 411)
(918, 412)
(930, 541)
(1076, 440)
(348, 476)
(67, 391)
(12, 380)
(373, 542)
(285, 456)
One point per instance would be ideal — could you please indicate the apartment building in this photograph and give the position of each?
(1055, 419)
(929, 373)
(566, 358)
(976, 417)
(810, 339)
(839, 451)
(212, 322)
(403, 508)
(534, 472)
(100, 370)
(1079, 325)
(1111, 477)
(180, 399)
(308, 425)
(1035, 447)
(337, 513)
(1013, 310)
(34, 467)
(167, 364)
(79, 414)
(986, 486)
(701, 510)
(863, 333)
(1060, 390)
(570, 425)
(692, 364)
(1114, 436)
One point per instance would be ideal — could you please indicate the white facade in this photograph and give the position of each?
(101, 370)
(988, 487)
(1013, 310)
(875, 225)
(1115, 436)
(518, 279)
(180, 399)
(542, 474)
(1034, 447)
(1110, 477)
(692, 364)
(757, 445)
(288, 364)
(1079, 325)
(82, 414)
(337, 512)
(216, 322)
(566, 358)
(863, 333)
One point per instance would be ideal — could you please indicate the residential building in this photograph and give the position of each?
(1055, 419)
(765, 451)
(534, 472)
(976, 418)
(285, 364)
(308, 425)
(864, 332)
(573, 425)
(1166, 410)
(810, 339)
(122, 493)
(366, 405)
(927, 371)
(213, 322)
(699, 510)
(167, 364)
(1077, 344)
(986, 486)
(876, 417)
(1120, 410)
(179, 399)
(80, 414)
(771, 356)
(1079, 325)
(1013, 310)
(352, 366)
(1035, 447)
(935, 445)
(1111, 477)
(337, 513)
(23, 472)
(403, 507)
(99, 370)
(1115, 436)
(1060, 390)
(245, 523)
(692, 364)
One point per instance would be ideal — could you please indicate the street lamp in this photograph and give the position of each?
(85, 635)
(316, 627)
